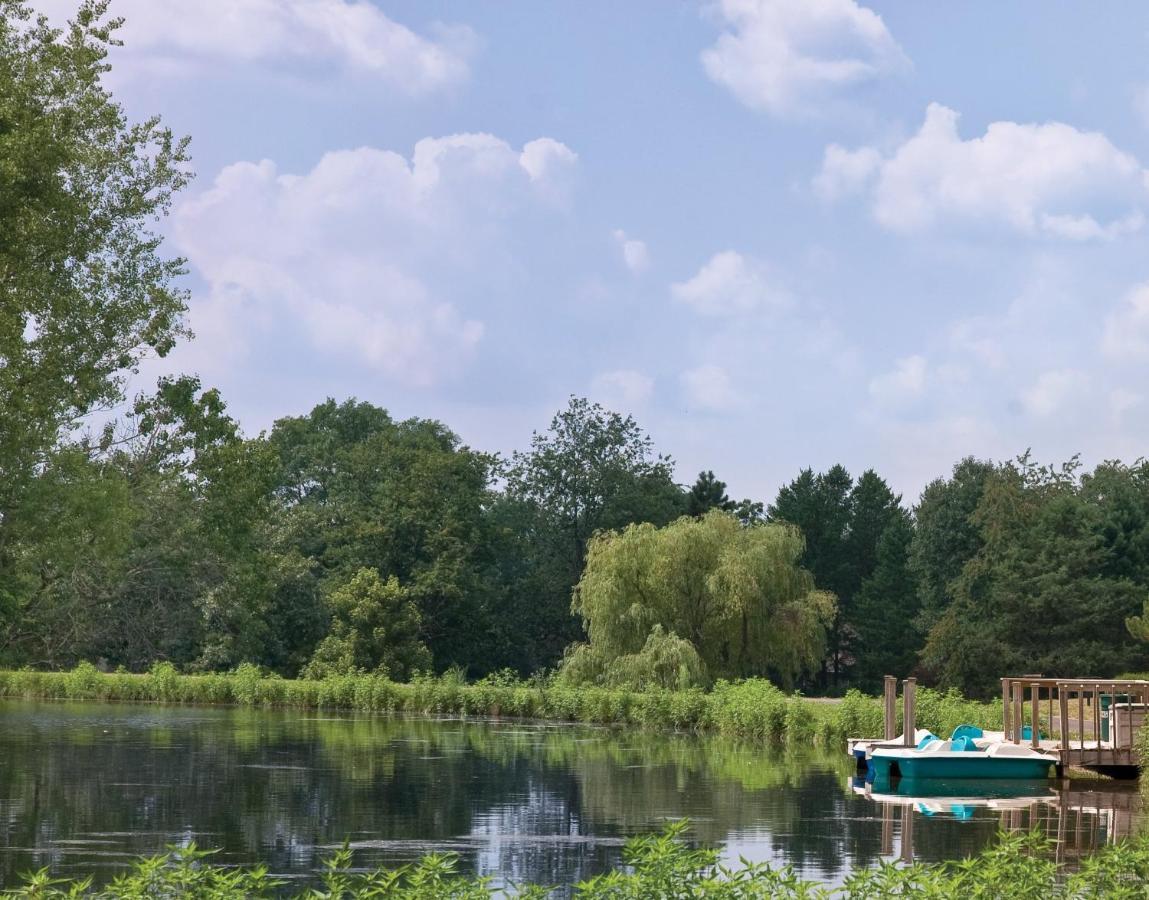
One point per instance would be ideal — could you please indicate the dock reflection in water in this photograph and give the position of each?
(1080, 815)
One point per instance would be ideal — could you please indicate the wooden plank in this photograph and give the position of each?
(1063, 702)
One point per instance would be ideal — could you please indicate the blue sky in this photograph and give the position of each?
(781, 233)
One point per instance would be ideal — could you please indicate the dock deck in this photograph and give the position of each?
(1085, 723)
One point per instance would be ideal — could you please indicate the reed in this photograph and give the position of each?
(753, 709)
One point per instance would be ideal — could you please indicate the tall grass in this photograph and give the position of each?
(753, 709)
(1018, 866)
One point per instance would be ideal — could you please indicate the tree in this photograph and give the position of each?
(735, 593)
(843, 522)
(1041, 593)
(148, 541)
(592, 470)
(706, 494)
(886, 609)
(945, 535)
(407, 499)
(375, 627)
(84, 291)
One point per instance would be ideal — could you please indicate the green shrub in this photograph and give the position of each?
(656, 867)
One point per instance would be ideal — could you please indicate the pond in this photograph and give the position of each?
(85, 788)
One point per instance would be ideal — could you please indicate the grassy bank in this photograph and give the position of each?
(1019, 866)
(752, 709)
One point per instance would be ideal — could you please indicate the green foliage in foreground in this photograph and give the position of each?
(753, 709)
(657, 866)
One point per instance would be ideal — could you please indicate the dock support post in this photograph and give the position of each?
(908, 711)
(890, 709)
(1005, 708)
(1063, 715)
(1035, 703)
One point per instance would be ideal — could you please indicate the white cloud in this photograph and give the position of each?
(906, 383)
(729, 284)
(708, 387)
(360, 255)
(634, 252)
(1038, 180)
(543, 157)
(623, 388)
(1053, 391)
(785, 56)
(1126, 335)
(845, 171)
(174, 36)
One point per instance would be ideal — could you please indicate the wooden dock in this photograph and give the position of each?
(1083, 723)
(1088, 723)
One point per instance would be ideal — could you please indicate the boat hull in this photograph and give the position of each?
(959, 766)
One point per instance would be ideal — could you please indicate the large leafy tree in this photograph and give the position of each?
(374, 628)
(85, 292)
(736, 594)
(407, 499)
(148, 541)
(592, 469)
(1044, 592)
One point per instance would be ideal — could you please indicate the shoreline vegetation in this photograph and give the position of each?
(1018, 865)
(752, 709)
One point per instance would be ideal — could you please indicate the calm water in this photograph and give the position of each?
(85, 788)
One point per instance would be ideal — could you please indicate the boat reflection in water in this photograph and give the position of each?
(1081, 815)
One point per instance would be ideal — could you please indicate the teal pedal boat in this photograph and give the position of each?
(968, 754)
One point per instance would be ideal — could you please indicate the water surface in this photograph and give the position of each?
(88, 787)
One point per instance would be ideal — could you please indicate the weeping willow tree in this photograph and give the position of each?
(698, 599)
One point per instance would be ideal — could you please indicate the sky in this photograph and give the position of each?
(780, 233)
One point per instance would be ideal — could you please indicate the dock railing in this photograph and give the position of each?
(1081, 714)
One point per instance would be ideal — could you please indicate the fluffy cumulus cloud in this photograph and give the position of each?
(623, 388)
(1038, 180)
(1127, 327)
(708, 388)
(634, 252)
(730, 284)
(369, 256)
(177, 35)
(788, 56)
(1045, 372)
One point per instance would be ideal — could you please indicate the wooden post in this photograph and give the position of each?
(908, 710)
(1063, 711)
(907, 833)
(1035, 728)
(1006, 701)
(1096, 696)
(1018, 709)
(1081, 716)
(890, 709)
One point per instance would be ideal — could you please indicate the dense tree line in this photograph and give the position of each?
(344, 539)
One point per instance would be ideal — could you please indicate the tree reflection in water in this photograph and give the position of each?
(86, 787)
